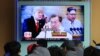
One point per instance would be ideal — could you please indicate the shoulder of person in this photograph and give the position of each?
(30, 18)
(63, 19)
(71, 53)
(43, 50)
(61, 28)
(41, 47)
(76, 20)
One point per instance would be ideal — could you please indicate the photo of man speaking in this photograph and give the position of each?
(44, 21)
(33, 25)
(54, 26)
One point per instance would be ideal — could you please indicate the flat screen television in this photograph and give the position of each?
(36, 20)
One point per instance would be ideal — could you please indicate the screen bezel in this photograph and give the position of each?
(57, 3)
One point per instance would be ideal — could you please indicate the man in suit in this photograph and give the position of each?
(54, 26)
(33, 25)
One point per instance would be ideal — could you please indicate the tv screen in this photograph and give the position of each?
(51, 22)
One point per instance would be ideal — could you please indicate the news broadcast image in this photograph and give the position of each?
(52, 22)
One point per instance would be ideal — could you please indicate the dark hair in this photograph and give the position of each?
(13, 48)
(91, 51)
(69, 45)
(56, 51)
(70, 9)
(77, 42)
(60, 18)
(42, 42)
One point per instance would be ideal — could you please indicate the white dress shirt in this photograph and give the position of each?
(48, 34)
(68, 24)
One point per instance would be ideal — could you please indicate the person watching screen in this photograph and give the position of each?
(12, 48)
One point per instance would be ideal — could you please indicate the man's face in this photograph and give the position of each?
(71, 15)
(55, 23)
(39, 14)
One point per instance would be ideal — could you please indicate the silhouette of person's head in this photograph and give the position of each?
(12, 48)
(42, 42)
(56, 51)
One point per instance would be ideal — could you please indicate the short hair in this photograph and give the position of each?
(69, 45)
(60, 18)
(42, 42)
(12, 47)
(70, 9)
(91, 51)
(56, 51)
(38, 8)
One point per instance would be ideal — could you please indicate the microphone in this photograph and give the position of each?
(82, 30)
(45, 31)
(78, 30)
(71, 29)
(75, 30)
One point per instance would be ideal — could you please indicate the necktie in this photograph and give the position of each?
(37, 26)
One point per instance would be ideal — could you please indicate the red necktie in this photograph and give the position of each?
(37, 27)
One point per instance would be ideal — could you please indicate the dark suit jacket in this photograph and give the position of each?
(29, 25)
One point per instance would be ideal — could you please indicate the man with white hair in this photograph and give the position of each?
(32, 26)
